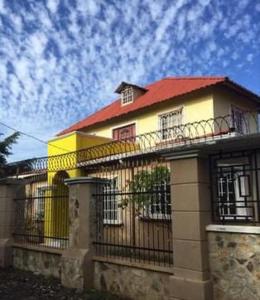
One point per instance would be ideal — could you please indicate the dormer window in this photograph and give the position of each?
(129, 92)
(127, 95)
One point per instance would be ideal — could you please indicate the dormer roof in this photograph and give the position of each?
(124, 84)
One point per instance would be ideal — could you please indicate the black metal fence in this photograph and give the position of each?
(134, 207)
(134, 211)
(235, 186)
(41, 211)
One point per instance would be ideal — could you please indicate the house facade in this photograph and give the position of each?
(169, 110)
(164, 104)
(152, 197)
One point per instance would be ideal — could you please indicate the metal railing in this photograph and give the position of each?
(41, 212)
(133, 212)
(146, 230)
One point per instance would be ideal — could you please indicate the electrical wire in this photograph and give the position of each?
(33, 137)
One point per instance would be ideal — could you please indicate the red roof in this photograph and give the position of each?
(159, 91)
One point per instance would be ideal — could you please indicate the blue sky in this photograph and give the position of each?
(61, 60)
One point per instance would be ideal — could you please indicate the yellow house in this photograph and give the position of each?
(162, 107)
(166, 103)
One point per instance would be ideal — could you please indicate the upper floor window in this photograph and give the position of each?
(169, 123)
(239, 120)
(124, 132)
(129, 92)
(127, 95)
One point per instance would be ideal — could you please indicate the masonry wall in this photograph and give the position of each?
(235, 265)
(133, 283)
(40, 262)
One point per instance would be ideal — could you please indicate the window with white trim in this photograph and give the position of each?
(127, 95)
(159, 206)
(111, 209)
(169, 122)
(234, 193)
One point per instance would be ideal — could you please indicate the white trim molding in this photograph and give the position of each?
(234, 228)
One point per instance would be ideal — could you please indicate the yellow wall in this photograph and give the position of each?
(216, 102)
(55, 208)
(194, 109)
(224, 100)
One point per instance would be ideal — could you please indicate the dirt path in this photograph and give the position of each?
(20, 285)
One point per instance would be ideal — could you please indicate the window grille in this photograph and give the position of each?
(169, 123)
(111, 205)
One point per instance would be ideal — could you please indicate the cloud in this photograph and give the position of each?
(62, 60)
(53, 5)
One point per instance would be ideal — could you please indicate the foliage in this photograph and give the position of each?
(144, 184)
(5, 151)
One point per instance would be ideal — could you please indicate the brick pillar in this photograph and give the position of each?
(191, 215)
(9, 190)
(77, 267)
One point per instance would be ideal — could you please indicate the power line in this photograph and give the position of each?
(33, 137)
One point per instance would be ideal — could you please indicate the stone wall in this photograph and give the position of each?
(235, 265)
(40, 262)
(132, 283)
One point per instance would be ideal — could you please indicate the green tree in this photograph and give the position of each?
(144, 186)
(6, 146)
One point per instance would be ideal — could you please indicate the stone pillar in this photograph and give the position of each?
(191, 214)
(77, 266)
(9, 190)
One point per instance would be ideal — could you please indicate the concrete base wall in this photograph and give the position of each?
(235, 265)
(41, 262)
(132, 283)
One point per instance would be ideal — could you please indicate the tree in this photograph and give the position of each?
(146, 186)
(6, 146)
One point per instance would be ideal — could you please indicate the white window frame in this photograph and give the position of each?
(241, 212)
(176, 116)
(161, 204)
(110, 192)
(127, 95)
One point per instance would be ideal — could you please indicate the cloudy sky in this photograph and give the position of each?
(61, 60)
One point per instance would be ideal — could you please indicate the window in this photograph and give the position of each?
(234, 193)
(169, 123)
(239, 120)
(127, 95)
(39, 202)
(160, 203)
(112, 212)
(150, 190)
(124, 133)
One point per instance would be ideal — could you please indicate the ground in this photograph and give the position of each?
(15, 284)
